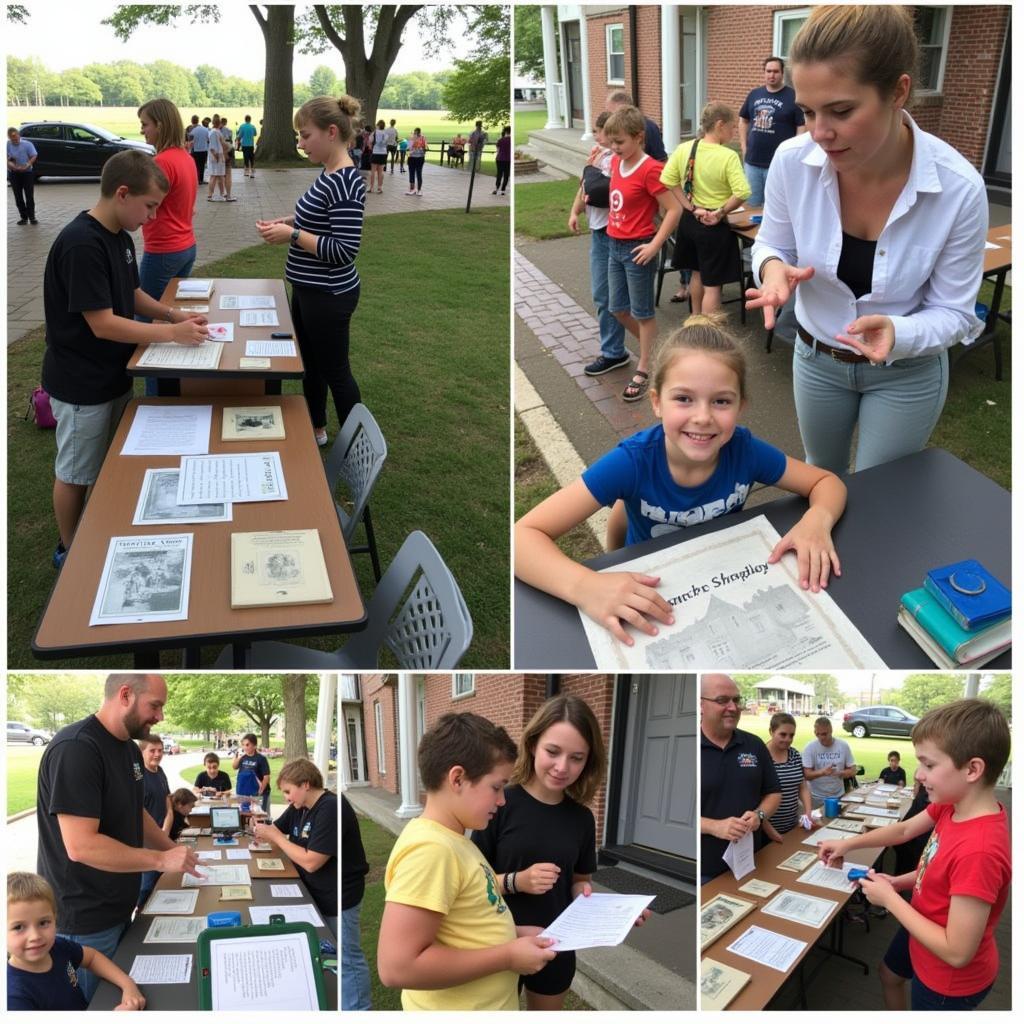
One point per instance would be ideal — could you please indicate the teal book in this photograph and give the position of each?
(961, 645)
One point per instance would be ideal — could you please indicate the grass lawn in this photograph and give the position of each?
(430, 350)
(542, 209)
(377, 843)
(22, 772)
(523, 122)
(190, 771)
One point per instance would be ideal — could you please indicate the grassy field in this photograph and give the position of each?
(22, 772)
(430, 350)
(542, 209)
(526, 121)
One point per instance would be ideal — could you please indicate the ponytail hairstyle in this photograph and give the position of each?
(323, 111)
(701, 332)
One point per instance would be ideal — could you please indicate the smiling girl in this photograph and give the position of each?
(697, 463)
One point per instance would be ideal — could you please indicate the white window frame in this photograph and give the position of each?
(460, 679)
(947, 21)
(608, 29)
(378, 727)
(800, 13)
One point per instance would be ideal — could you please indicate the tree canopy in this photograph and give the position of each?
(478, 88)
(529, 42)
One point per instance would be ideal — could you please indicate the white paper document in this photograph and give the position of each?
(779, 952)
(183, 357)
(258, 318)
(219, 874)
(221, 332)
(248, 302)
(830, 878)
(161, 970)
(293, 913)
(209, 855)
(269, 347)
(285, 892)
(800, 908)
(175, 929)
(255, 476)
(824, 835)
(271, 972)
(169, 430)
(733, 610)
(238, 854)
(158, 503)
(145, 579)
(739, 855)
(992, 245)
(171, 901)
(601, 919)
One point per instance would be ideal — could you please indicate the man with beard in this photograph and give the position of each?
(738, 785)
(95, 838)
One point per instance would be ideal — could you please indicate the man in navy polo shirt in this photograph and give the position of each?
(738, 785)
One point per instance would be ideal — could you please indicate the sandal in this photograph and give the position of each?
(680, 298)
(635, 389)
(320, 434)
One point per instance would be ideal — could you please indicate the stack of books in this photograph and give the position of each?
(961, 617)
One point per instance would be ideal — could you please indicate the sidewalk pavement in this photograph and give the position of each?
(221, 228)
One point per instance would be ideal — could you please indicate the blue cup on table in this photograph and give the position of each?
(246, 805)
(831, 807)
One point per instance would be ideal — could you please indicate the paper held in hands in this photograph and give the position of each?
(601, 919)
(739, 855)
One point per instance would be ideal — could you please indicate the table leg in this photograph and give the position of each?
(992, 322)
(190, 657)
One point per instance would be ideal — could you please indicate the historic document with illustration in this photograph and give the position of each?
(734, 610)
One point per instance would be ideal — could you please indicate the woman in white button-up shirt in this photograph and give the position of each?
(880, 229)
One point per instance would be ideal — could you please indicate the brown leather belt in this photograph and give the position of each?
(840, 355)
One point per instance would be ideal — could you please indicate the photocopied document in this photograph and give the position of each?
(601, 919)
(285, 892)
(169, 430)
(293, 913)
(182, 357)
(238, 854)
(779, 952)
(209, 854)
(171, 901)
(258, 318)
(161, 970)
(739, 855)
(219, 874)
(256, 476)
(269, 347)
(248, 302)
(830, 878)
(271, 972)
(175, 929)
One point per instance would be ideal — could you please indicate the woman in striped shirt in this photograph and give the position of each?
(324, 235)
(796, 793)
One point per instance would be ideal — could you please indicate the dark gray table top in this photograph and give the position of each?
(902, 519)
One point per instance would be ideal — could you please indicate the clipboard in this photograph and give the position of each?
(204, 980)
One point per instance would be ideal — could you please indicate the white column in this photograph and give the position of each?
(671, 76)
(551, 90)
(588, 113)
(407, 744)
(326, 715)
(564, 101)
(344, 773)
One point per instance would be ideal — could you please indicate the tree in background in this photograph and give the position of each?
(52, 701)
(529, 55)
(1000, 692)
(323, 82)
(478, 88)
(926, 690)
(293, 695)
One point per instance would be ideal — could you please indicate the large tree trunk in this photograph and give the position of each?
(277, 141)
(293, 690)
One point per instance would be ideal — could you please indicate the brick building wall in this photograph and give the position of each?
(648, 32)
(381, 689)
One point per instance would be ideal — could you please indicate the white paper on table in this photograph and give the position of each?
(798, 907)
(272, 972)
(258, 318)
(992, 245)
(720, 583)
(285, 891)
(158, 503)
(169, 430)
(885, 789)
(222, 331)
(219, 874)
(830, 878)
(144, 579)
(208, 854)
(175, 969)
(601, 919)
(194, 286)
(293, 913)
(205, 356)
(779, 952)
(238, 854)
(269, 347)
(739, 855)
(825, 835)
(175, 929)
(248, 302)
(171, 901)
(255, 476)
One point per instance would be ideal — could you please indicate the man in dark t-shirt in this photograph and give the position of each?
(95, 837)
(355, 973)
(739, 787)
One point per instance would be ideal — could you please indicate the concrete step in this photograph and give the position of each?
(622, 978)
(561, 149)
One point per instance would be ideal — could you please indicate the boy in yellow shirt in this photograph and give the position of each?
(447, 938)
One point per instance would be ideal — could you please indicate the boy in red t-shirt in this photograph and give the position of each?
(635, 196)
(945, 946)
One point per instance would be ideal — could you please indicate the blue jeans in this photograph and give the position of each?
(630, 285)
(756, 177)
(155, 273)
(104, 942)
(895, 407)
(355, 974)
(613, 334)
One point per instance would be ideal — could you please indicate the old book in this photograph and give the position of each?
(230, 893)
(194, 288)
(253, 423)
(269, 864)
(282, 567)
(719, 984)
(719, 914)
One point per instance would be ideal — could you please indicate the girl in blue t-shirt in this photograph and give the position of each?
(694, 465)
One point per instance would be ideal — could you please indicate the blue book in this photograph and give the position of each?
(959, 644)
(970, 593)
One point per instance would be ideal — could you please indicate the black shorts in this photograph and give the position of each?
(379, 158)
(712, 251)
(553, 979)
(392, 149)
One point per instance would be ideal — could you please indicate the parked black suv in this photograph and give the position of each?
(878, 720)
(75, 150)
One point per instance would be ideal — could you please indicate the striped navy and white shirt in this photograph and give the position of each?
(332, 209)
(790, 774)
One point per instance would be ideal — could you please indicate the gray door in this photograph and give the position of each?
(573, 59)
(666, 773)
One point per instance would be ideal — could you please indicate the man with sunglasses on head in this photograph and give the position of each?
(739, 787)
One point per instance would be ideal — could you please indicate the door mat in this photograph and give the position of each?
(666, 897)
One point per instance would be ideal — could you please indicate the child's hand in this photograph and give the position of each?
(878, 889)
(131, 999)
(574, 223)
(779, 282)
(538, 878)
(189, 332)
(811, 539)
(832, 852)
(645, 253)
(530, 954)
(611, 598)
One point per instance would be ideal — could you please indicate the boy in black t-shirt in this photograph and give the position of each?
(894, 775)
(182, 802)
(212, 781)
(156, 800)
(90, 295)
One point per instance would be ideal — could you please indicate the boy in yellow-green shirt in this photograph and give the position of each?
(447, 938)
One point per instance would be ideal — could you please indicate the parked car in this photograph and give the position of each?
(18, 732)
(879, 720)
(170, 746)
(75, 150)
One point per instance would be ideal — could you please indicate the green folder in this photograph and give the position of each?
(205, 981)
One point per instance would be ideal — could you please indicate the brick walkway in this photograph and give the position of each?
(221, 228)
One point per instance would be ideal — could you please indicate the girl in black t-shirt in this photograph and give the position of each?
(541, 842)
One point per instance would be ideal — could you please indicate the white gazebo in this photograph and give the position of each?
(790, 694)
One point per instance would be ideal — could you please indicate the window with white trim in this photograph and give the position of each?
(932, 24)
(787, 24)
(463, 684)
(378, 725)
(615, 48)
